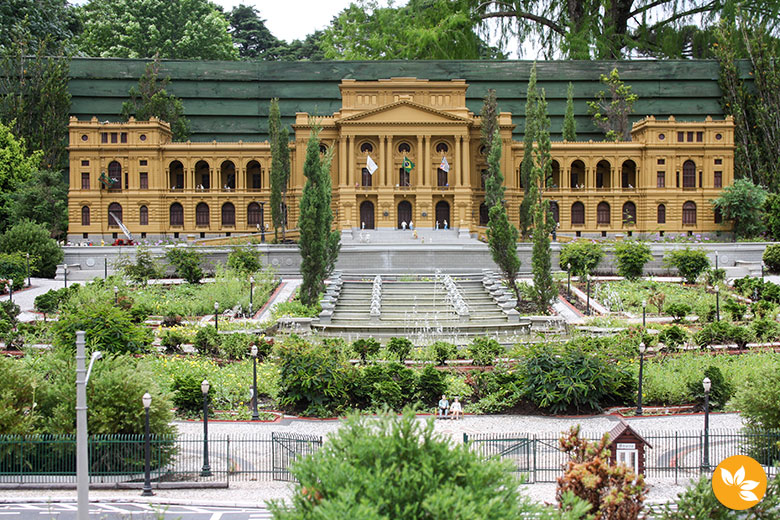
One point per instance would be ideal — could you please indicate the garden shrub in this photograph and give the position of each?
(207, 341)
(631, 256)
(756, 398)
(108, 328)
(172, 340)
(29, 237)
(313, 379)
(244, 259)
(140, 270)
(583, 256)
(484, 351)
(714, 276)
(295, 309)
(765, 329)
(720, 392)
(690, 263)
(771, 257)
(171, 319)
(236, 346)
(735, 309)
(400, 347)
(678, 311)
(187, 393)
(764, 309)
(673, 337)
(389, 385)
(186, 263)
(497, 390)
(17, 395)
(50, 301)
(723, 333)
(389, 467)
(758, 289)
(431, 385)
(13, 266)
(365, 347)
(442, 351)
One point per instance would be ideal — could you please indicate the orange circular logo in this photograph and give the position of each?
(739, 482)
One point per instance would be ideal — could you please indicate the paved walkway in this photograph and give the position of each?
(289, 286)
(25, 298)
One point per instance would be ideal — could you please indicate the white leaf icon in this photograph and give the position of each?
(748, 485)
(739, 476)
(748, 496)
(728, 479)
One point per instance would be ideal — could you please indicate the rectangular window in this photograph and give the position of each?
(661, 180)
(680, 137)
(699, 137)
(661, 161)
(143, 178)
(123, 137)
(84, 180)
(690, 137)
(718, 179)
(114, 137)
(103, 137)
(718, 161)
(143, 162)
(85, 162)
(127, 179)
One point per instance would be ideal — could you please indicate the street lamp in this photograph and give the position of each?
(262, 222)
(105, 267)
(253, 353)
(717, 303)
(147, 492)
(11, 291)
(28, 269)
(82, 459)
(206, 469)
(587, 307)
(216, 311)
(568, 283)
(716, 258)
(642, 349)
(644, 313)
(251, 291)
(707, 384)
(116, 295)
(65, 274)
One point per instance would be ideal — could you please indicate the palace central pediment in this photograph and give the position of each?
(403, 112)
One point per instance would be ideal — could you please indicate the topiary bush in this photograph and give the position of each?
(244, 259)
(400, 347)
(690, 263)
(187, 393)
(186, 263)
(365, 347)
(207, 341)
(678, 311)
(442, 351)
(583, 255)
(631, 256)
(13, 266)
(29, 237)
(431, 385)
(771, 257)
(484, 351)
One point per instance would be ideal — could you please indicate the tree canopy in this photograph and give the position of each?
(54, 21)
(174, 29)
(16, 167)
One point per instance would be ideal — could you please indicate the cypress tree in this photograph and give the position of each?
(569, 124)
(502, 235)
(489, 118)
(526, 217)
(494, 182)
(280, 166)
(543, 222)
(318, 244)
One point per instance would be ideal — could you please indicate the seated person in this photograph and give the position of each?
(443, 408)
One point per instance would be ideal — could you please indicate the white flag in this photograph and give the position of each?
(371, 165)
(121, 226)
(444, 166)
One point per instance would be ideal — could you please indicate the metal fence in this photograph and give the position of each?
(43, 459)
(671, 456)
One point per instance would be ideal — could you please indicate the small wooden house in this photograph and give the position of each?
(628, 447)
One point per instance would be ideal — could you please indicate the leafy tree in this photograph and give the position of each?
(526, 167)
(29, 237)
(569, 124)
(757, 397)
(690, 263)
(207, 341)
(318, 244)
(109, 328)
(401, 347)
(280, 168)
(172, 29)
(739, 204)
(771, 211)
(419, 30)
(13, 266)
(186, 263)
(631, 255)
(43, 198)
(250, 35)
(583, 256)
(16, 168)
(244, 260)
(365, 347)
(502, 235)
(144, 268)
(611, 109)
(390, 467)
(34, 96)
(771, 257)
(44, 22)
(484, 351)
(721, 390)
(151, 99)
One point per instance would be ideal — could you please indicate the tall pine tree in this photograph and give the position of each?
(318, 244)
(543, 222)
(280, 168)
(526, 216)
(494, 181)
(569, 124)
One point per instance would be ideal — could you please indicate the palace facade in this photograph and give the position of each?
(661, 181)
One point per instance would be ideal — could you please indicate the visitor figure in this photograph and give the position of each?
(403, 225)
(457, 411)
(444, 407)
(411, 225)
(446, 226)
(437, 224)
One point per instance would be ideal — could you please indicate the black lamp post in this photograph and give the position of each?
(216, 314)
(206, 470)
(568, 282)
(642, 349)
(105, 267)
(262, 222)
(253, 353)
(251, 292)
(147, 492)
(65, 274)
(707, 384)
(587, 307)
(116, 295)
(644, 314)
(717, 303)
(11, 291)
(716, 258)
(762, 272)
(27, 255)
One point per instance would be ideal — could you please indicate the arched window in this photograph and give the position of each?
(143, 216)
(176, 170)
(629, 213)
(555, 211)
(602, 214)
(227, 172)
(253, 214)
(365, 177)
(483, 150)
(484, 215)
(366, 148)
(689, 174)
(323, 149)
(441, 177)
(578, 213)
(404, 148)
(661, 214)
(628, 174)
(442, 148)
(114, 214)
(718, 216)
(577, 174)
(228, 214)
(85, 215)
(202, 214)
(202, 175)
(254, 175)
(603, 174)
(176, 214)
(689, 213)
(115, 175)
(555, 176)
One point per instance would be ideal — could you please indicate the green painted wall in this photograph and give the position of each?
(228, 101)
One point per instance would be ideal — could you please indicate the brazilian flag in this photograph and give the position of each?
(104, 180)
(408, 164)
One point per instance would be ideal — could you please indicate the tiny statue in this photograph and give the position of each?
(403, 225)
(443, 407)
(446, 226)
